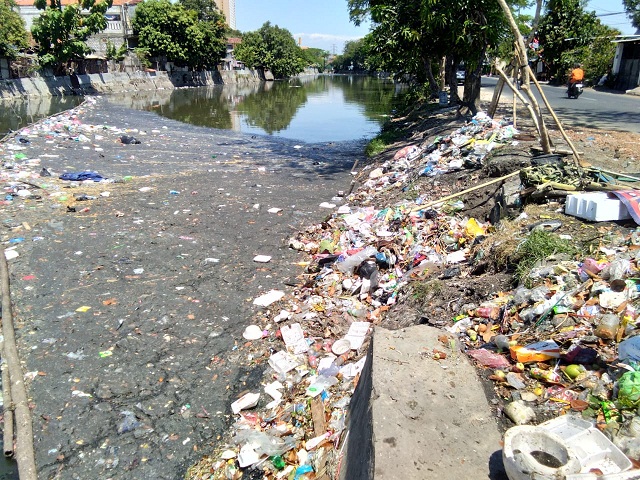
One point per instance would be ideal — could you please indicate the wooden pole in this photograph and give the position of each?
(7, 399)
(516, 93)
(576, 155)
(24, 429)
(468, 190)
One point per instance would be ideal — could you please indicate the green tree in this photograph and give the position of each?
(273, 48)
(170, 30)
(61, 33)
(315, 57)
(409, 36)
(633, 11)
(13, 35)
(566, 34)
(354, 54)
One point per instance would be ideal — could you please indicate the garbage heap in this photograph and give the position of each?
(360, 258)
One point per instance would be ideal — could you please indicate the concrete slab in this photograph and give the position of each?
(431, 418)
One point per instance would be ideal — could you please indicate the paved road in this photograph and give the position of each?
(613, 111)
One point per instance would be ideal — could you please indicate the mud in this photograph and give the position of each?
(130, 315)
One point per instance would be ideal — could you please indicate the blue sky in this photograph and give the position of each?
(325, 23)
(320, 23)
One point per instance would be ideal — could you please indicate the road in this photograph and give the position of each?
(605, 110)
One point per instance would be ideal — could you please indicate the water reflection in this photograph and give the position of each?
(16, 113)
(313, 109)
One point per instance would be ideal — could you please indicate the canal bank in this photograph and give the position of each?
(126, 82)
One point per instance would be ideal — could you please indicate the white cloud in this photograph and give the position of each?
(324, 40)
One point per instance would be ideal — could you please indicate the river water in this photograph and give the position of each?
(312, 109)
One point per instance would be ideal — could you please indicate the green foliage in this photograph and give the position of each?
(143, 56)
(178, 33)
(538, 246)
(315, 57)
(13, 36)
(116, 53)
(273, 48)
(61, 33)
(633, 11)
(568, 34)
(408, 35)
(354, 55)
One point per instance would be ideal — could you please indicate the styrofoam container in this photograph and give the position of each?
(574, 445)
(596, 207)
(592, 448)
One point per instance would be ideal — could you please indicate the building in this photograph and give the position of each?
(626, 64)
(118, 31)
(228, 8)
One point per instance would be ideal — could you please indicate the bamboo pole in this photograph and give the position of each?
(7, 433)
(521, 55)
(556, 119)
(24, 429)
(468, 190)
(516, 93)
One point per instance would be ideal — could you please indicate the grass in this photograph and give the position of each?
(538, 246)
(422, 290)
(382, 141)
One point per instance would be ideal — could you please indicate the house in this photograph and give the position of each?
(119, 30)
(626, 63)
(229, 62)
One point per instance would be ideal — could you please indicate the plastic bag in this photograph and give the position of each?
(629, 390)
(263, 443)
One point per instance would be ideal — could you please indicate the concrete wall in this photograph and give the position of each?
(118, 82)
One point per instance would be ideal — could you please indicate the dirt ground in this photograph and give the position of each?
(130, 314)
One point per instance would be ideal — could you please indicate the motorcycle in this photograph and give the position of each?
(574, 90)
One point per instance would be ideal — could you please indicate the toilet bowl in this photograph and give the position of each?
(532, 453)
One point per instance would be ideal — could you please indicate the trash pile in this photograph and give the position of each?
(360, 260)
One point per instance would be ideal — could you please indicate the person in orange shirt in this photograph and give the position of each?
(577, 75)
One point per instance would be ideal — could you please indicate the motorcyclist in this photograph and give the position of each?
(576, 76)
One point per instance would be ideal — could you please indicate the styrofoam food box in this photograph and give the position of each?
(596, 207)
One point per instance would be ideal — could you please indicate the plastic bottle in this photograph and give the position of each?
(607, 326)
(490, 311)
(352, 261)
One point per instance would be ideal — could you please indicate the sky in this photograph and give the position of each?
(319, 23)
(325, 23)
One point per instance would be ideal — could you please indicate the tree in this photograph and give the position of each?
(354, 56)
(409, 37)
(633, 11)
(315, 57)
(273, 48)
(170, 30)
(13, 35)
(61, 33)
(566, 33)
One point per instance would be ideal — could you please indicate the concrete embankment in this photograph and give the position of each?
(119, 82)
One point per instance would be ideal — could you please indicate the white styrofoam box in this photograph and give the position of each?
(596, 207)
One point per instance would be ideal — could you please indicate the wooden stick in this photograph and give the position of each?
(534, 117)
(555, 118)
(468, 190)
(7, 434)
(24, 429)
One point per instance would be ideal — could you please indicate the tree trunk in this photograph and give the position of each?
(452, 64)
(433, 84)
